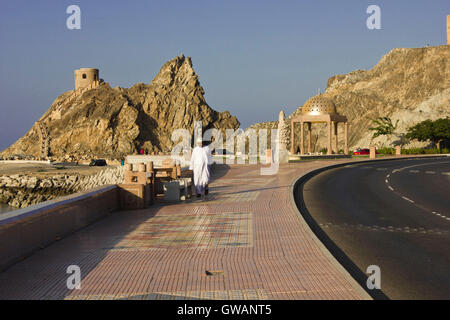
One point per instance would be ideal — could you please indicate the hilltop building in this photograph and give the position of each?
(85, 77)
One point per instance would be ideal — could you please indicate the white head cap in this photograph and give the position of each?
(199, 142)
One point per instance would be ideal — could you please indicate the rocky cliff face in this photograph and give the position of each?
(112, 122)
(409, 85)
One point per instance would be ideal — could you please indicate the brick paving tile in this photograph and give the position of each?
(246, 233)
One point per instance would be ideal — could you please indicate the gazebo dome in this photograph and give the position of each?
(319, 105)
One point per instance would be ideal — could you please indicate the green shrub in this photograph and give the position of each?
(412, 151)
(424, 151)
(386, 150)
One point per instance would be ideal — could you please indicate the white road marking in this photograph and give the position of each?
(417, 171)
(388, 229)
(419, 165)
(441, 216)
(407, 199)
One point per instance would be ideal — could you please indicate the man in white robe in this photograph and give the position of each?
(210, 162)
(199, 165)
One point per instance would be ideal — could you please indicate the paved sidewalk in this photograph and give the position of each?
(246, 235)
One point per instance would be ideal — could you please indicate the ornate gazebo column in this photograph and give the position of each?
(302, 127)
(309, 137)
(346, 137)
(292, 136)
(335, 134)
(329, 138)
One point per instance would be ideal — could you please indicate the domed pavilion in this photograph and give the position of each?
(319, 109)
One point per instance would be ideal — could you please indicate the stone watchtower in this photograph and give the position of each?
(85, 77)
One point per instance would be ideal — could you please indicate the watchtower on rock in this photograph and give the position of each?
(85, 77)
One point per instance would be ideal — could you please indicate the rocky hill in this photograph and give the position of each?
(409, 85)
(112, 122)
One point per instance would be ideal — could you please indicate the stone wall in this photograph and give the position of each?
(24, 231)
(157, 159)
(21, 191)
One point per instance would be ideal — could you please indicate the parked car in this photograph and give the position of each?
(361, 152)
(97, 163)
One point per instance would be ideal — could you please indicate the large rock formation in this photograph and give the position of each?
(409, 85)
(112, 122)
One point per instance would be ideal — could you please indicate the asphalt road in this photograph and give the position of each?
(393, 214)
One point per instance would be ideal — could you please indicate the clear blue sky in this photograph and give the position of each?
(253, 57)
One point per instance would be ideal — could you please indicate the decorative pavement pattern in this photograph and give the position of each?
(200, 231)
(244, 241)
(218, 198)
(189, 295)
